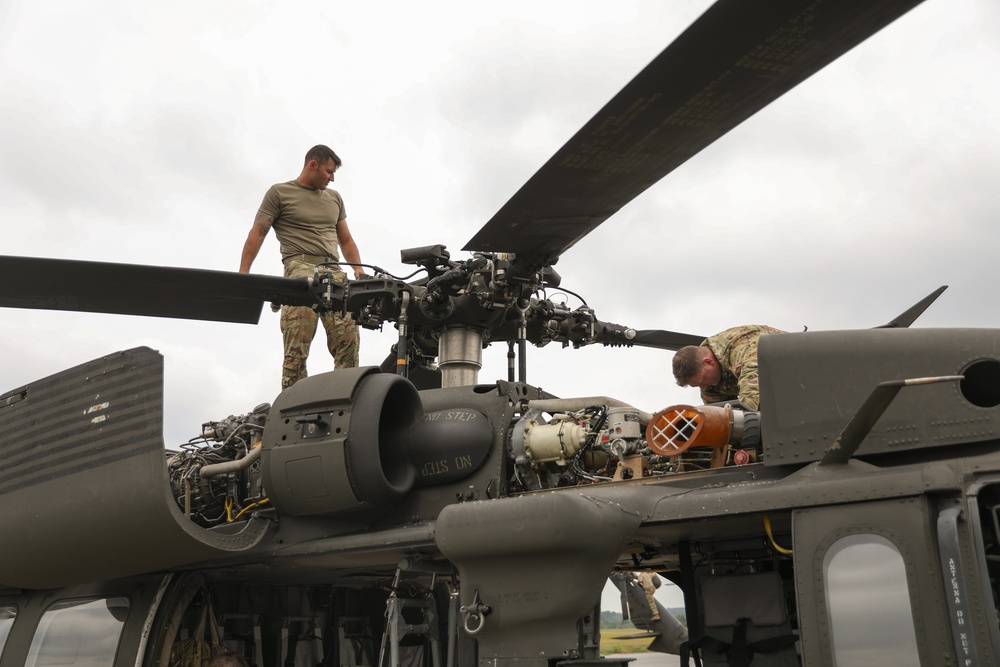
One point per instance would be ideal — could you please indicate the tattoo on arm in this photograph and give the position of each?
(263, 221)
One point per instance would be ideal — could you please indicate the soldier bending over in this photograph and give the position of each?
(724, 366)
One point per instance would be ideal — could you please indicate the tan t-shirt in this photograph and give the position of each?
(305, 219)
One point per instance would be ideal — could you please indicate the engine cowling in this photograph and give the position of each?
(336, 442)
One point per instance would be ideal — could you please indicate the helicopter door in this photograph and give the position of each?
(868, 581)
(745, 620)
(984, 522)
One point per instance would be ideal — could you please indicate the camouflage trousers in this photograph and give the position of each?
(648, 587)
(298, 328)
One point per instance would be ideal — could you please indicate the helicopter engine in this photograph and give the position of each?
(611, 441)
(575, 446)
(336, 443)
(333, 443)
(197, 480)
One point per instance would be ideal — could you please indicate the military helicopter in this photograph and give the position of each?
(358, 520)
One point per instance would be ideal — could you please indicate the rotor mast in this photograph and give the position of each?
(460, 356)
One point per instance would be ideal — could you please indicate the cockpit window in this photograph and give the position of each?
(868, 603)
(79, 632)
(7, 615)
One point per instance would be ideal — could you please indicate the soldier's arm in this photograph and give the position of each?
(348, 248)
(255, 239)
(745, 370)
(750, 387)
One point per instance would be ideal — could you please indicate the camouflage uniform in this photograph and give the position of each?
(306, 220)
(736, 351)
(298, 328)
(649, 582)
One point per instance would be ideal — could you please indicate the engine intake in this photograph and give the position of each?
(672, 431)
(336, 442)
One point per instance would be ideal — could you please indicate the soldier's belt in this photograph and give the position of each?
(310, 259)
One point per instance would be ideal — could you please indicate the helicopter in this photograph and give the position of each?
(461, 514)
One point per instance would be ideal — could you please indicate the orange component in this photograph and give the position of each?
(673, 430)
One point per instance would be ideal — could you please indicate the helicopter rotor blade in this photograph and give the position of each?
(615, 334)
(665, 340)
(135, 289)
(733, 61)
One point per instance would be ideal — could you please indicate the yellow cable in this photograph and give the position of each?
(250, 507)
(767, 527)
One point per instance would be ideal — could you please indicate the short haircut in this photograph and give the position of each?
(687, 360)
(228, 659)
(322, 154)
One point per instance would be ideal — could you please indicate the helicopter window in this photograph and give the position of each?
(868, 603)
(79, 632)
(988, 507)
(981, 385)
(7, 615)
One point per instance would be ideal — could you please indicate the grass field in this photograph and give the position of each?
(610, 644)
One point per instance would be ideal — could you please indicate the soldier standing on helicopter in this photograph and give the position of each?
(310, 223)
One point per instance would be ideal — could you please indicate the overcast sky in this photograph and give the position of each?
(148, 132)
